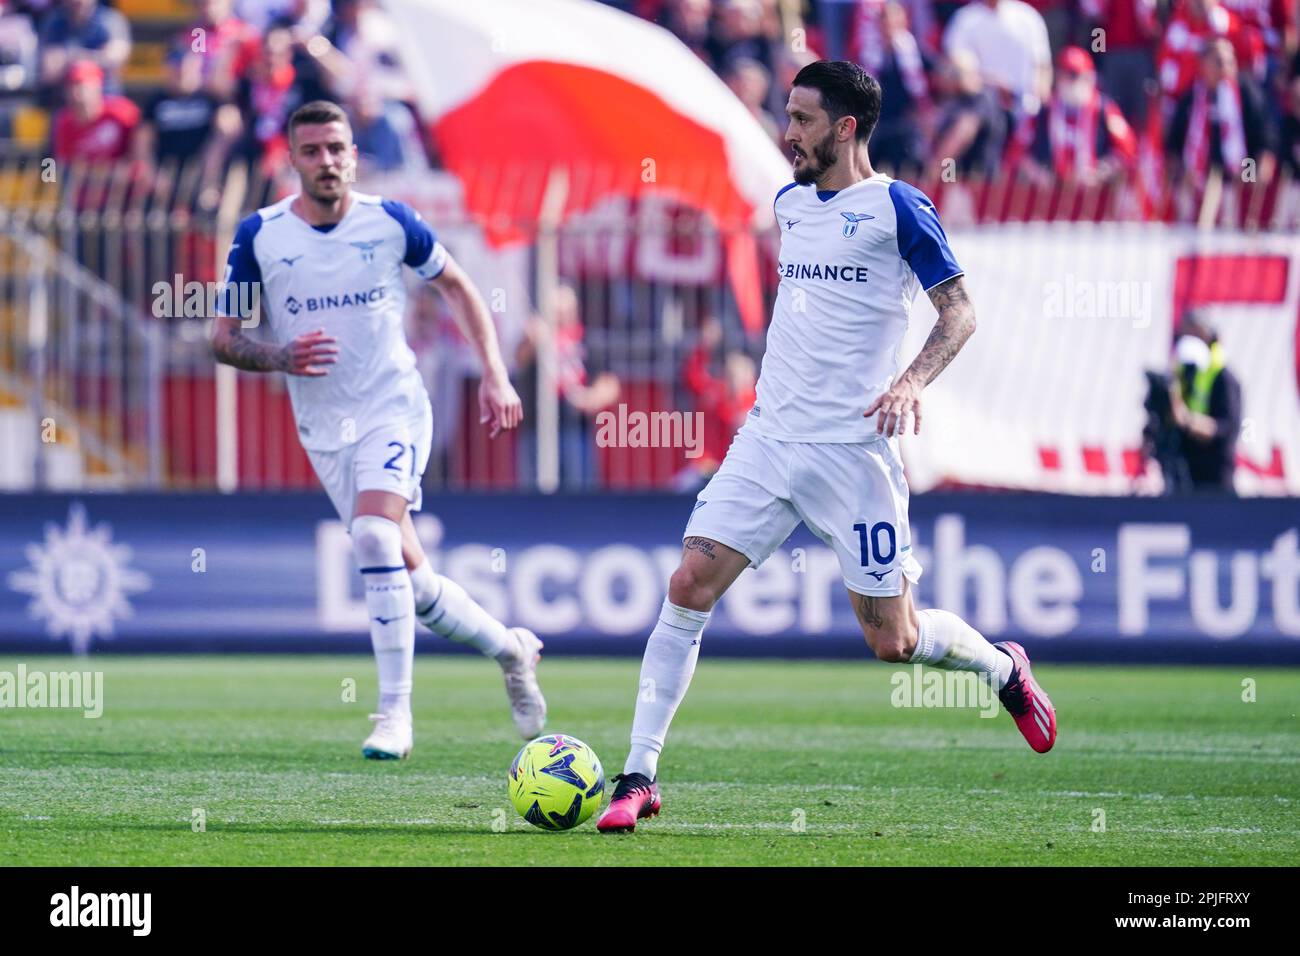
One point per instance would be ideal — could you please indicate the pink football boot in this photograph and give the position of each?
(635, 798)
(1025, 701)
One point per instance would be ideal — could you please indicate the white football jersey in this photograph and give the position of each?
(346, 279)
(851, 263)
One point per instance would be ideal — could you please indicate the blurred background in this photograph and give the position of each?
(1110, 465)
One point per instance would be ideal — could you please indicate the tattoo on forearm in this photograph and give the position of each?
(955, 324)
(242, 352)
(867, 610)
(702, 545)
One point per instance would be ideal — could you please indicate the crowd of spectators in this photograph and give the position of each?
(1060, 89)
(232, 77)
(1038, 89)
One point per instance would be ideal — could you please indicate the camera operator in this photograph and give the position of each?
(1205, 404)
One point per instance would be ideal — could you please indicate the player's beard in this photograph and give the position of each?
(814, 167)
(327, 192)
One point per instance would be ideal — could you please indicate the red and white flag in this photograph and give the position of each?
(516, 90)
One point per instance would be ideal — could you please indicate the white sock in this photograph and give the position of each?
(377, 544)
(445, 608)
(666, 671)
(947, 642)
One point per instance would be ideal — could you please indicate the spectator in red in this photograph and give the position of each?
(724, 399)
(1257, 36)
(226, 46)
(1193, 25)
(94, 127)
(1220, 122)
(83, 30)
(1082, 136)
(1128, 67)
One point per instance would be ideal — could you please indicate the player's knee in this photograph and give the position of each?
(376, 541)
(893, 645)
(689, 588)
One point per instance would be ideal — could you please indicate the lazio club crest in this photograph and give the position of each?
(851, 220)
(367, 248)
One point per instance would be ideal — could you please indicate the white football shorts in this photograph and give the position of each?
(852, 496)
(386, 458)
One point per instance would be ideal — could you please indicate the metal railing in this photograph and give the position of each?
(106, 380)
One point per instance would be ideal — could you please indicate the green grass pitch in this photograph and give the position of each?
(768, 763)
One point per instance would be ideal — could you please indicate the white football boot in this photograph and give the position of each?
(527, 705)
(391, 739)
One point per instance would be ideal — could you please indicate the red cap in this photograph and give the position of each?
(85, 70)
(1075, 59)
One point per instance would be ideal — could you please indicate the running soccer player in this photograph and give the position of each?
(821, 443)
(328, 263)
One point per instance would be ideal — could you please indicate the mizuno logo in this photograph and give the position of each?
(790, 223)
(928, 208)
(851, 220)
(880, 575)
(389, 620)
(290, 260)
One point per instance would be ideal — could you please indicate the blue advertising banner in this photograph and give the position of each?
(1124, 579)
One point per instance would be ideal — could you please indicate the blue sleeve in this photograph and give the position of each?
(424, 253)
(921, 240)
(243, 274)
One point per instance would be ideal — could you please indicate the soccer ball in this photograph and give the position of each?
(556, 782)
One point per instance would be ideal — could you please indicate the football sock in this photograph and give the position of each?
(445, 608)
(377, 544)
(947, 642)
(666, 670)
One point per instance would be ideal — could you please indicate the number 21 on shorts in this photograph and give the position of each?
(392, 463)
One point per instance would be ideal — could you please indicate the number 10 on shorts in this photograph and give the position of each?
(869, 542)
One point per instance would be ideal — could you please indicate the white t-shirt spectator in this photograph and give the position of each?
(1009, 40)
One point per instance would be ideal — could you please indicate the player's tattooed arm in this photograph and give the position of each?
(954, 326)
(956, 323)
(307, 355)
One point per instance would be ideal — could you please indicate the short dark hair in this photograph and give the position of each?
(316, 113)
(847, 90)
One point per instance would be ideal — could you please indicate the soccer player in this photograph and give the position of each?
(327, 262)
(821, 443)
